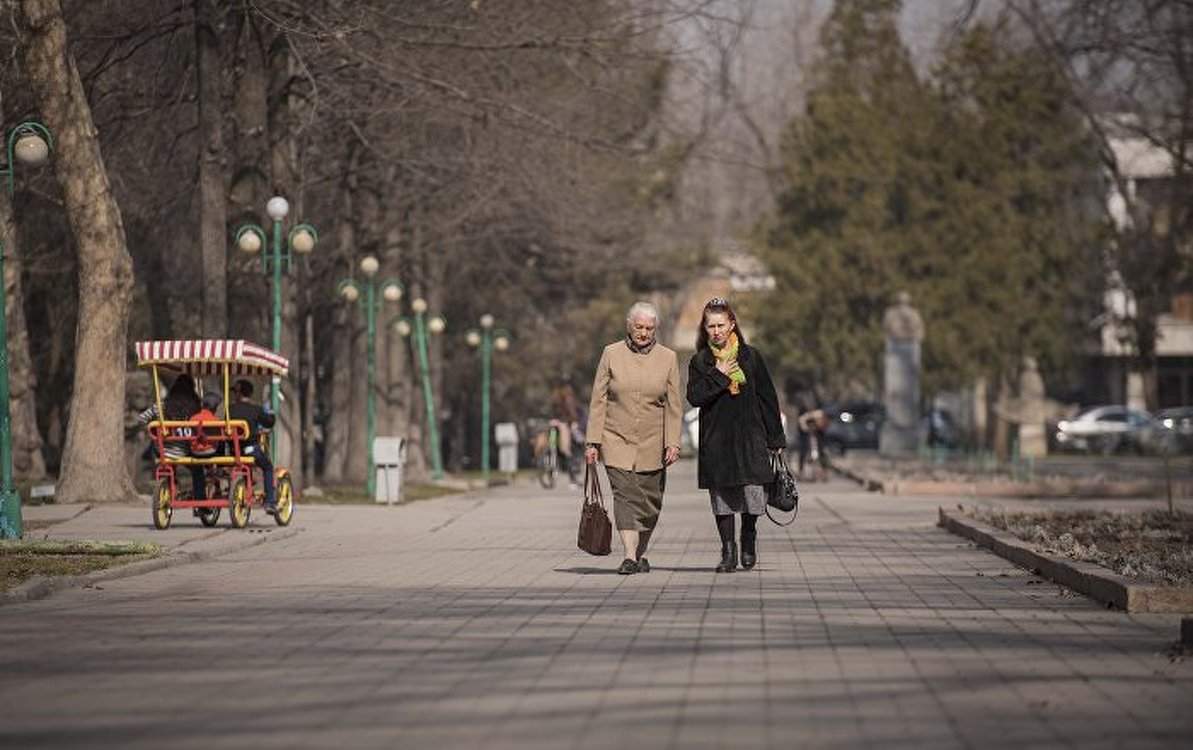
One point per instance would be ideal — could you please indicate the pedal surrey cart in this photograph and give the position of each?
(231, 476)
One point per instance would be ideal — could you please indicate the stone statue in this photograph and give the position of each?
(902, 321)
(903, 329)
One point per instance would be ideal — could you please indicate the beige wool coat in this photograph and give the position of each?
(636, 406)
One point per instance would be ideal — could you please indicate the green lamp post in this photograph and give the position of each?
(302, 239)
(487, 340)
(421, 327)
(391, 291)
(28, 144)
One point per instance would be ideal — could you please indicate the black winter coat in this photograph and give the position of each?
(735, 431)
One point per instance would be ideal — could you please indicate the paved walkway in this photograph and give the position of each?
(473, 622)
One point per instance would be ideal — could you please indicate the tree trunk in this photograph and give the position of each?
(213, 218)
(250, 187)
(310, 397)
(394, 354)
(283, 161)
(27, 457)
(93, 467)
(1002, 428)
(357, 458)
(339, 418)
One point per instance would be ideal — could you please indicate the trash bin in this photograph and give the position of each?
(389, 465)
(506, 437)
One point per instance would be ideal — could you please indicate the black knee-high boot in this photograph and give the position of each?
(749, 540)
(728, 545)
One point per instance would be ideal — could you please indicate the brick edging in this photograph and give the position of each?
(1094, 581)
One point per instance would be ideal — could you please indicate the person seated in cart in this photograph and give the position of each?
(206, 443)
(180, 403)
(258, 418)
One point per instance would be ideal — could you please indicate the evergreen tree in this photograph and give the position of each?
(968, 191)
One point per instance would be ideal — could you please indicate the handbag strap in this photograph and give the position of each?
(592, 486)
(790, 521)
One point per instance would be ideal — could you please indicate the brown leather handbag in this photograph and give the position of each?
(596, 531)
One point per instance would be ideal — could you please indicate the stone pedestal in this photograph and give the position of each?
(900, 435)
(904, 330)
(1033, 441)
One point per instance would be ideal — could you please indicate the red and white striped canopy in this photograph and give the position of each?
(208, 357)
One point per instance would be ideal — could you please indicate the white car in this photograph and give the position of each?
(691, 428)
(1104, 429)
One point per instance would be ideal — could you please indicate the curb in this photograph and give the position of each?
(40, 587)
(1024, 490)
(1094, 581)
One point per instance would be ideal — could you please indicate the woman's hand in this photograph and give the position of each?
(670, 455)
(727, 366)
(591, 454)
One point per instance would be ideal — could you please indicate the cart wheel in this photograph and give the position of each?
(285, 500)
(209, 516)
(238, 505)
(163, 511)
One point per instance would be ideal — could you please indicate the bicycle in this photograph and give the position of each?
(547, 457)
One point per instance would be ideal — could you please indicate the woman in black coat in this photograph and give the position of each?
(740, 427)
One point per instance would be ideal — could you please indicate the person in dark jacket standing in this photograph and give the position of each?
(740, 427)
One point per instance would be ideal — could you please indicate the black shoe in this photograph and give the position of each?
(643, 565)
(627, 567)
(728, 557)
(749, 549)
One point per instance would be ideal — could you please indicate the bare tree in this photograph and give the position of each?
(27, 457)
(93, 468)
(213, 190)
(1131, 65)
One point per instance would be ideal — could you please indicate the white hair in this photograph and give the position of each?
(642, 308)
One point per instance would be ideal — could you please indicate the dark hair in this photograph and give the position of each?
(716, 305)
(244, 388)
(181, 401)
(211, 400)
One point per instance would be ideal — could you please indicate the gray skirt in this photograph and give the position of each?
(750, 498)
(637, 497)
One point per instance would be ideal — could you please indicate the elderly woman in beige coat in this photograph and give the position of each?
(633, 425)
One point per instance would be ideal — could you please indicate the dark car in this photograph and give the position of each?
(941, 429)
(856, 425)
(852, 426)
(1172, 430)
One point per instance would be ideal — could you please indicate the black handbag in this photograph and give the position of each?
(782, 494)
(596, 530)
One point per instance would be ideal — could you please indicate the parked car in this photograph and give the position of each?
(1172, 430)
(852, 426)
(856, 425)
(941, 429)
(1105, 430)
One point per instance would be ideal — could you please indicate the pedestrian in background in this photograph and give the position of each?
(633, 425)
(740, 428)
(813, 424)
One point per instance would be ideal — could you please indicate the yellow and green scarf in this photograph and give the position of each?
(729, 351)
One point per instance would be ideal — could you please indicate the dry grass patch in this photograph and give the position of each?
(21, 560)
(1154, 547)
